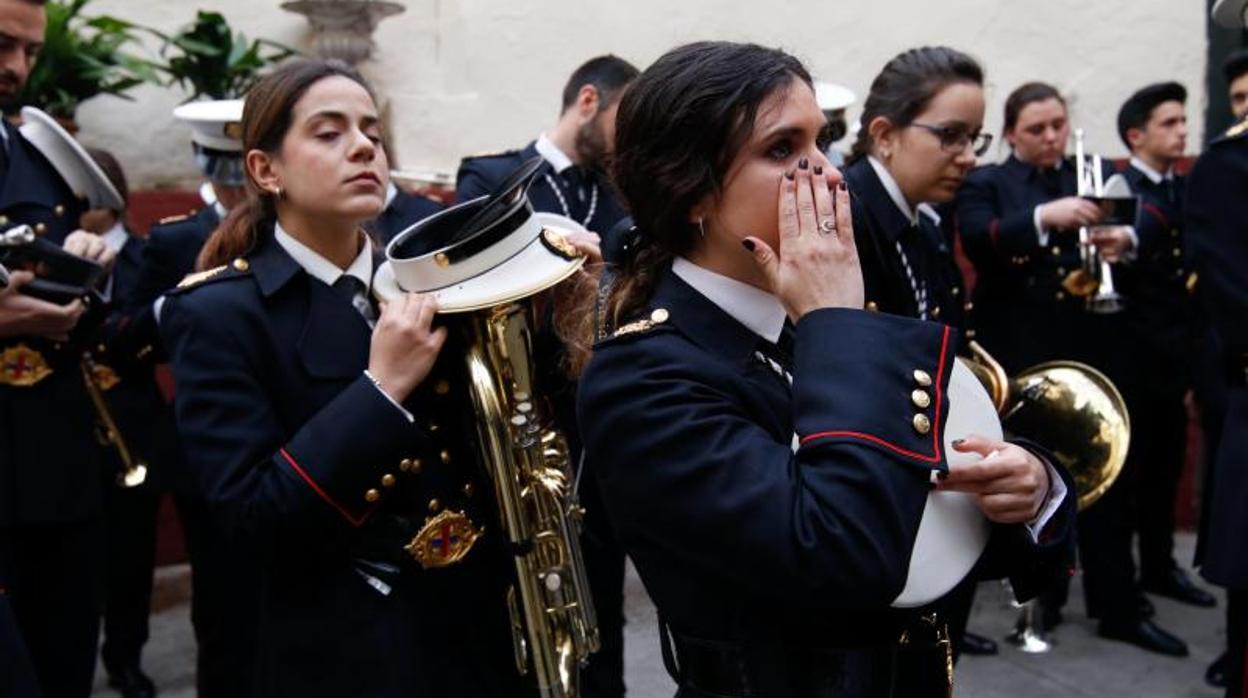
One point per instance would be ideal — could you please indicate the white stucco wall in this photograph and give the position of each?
(466, 76)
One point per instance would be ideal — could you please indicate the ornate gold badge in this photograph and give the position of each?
(557, 242)
(104, 376)
(233, 129)
(21, 366)
(444, 540)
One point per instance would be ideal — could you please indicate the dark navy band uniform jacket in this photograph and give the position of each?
(737, 537)
(297, 450)
(49, 457)
(1216, 213)
(1021, 313)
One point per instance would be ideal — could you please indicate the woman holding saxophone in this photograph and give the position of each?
(329, 435)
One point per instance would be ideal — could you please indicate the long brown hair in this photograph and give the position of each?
(266, 119)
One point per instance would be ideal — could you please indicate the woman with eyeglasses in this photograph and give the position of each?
(920, 135)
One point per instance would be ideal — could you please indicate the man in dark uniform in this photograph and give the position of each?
(222, 583)
(1017, 222)
(1153, 126)
(573, 183)
(145, 422)
(1216, 215)
(50, 501)
(401, 211)
(1235, 70)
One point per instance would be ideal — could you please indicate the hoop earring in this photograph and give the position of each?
(701, 228)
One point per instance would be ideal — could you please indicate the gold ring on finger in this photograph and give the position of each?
(827, 226)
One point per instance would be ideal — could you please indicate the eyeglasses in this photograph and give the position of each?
(957, 140)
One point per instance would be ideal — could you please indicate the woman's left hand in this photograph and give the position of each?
(1009, 485)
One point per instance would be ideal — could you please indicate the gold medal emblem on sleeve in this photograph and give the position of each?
(444, 540)
(22, 367)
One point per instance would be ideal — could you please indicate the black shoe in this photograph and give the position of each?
(131, 682)
(977, 645)
(1143, 607)
(1144, 633)
(1215, 675)
(1178, 586)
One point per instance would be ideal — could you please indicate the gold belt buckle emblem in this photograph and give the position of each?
(22, 367)
(105, 377)
(444, 540)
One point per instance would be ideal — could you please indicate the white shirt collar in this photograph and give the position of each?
(552, 154)
(753, 307)
(894, 193)
(319, 267)
(1153, 175)
(391, 192)
(115, 237)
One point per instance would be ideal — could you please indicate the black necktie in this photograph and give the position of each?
(781, 352)
(1052, 179)
(356, 293)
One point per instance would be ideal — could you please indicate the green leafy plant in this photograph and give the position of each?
(210, 60)
(83, 57)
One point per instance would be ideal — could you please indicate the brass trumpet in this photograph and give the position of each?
(134, 470)
(1095, 279)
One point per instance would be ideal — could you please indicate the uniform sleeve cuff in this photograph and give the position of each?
(397, 406)
(1052, 502)
(1042, 235)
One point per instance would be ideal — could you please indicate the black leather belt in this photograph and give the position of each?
(917, 665)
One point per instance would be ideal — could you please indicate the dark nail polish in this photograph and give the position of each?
(788, 175)
(842, 186)
(818, 169)
(803, 163)
(748, 244)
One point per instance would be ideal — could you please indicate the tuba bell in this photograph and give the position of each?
(1068, 407)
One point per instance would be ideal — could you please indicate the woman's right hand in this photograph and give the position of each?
(405, 344)
(817, 264)
(1068, 213)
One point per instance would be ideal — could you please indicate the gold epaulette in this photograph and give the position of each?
(173, 219)
(658, 316)
(490, 154)
(1237, 129)
(199, 277)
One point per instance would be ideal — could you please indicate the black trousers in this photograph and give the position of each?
(130, 522)
(53, 574)
(1158, 446)
(603, 675)
(1105, 553)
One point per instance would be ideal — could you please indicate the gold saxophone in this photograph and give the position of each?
(552, 615)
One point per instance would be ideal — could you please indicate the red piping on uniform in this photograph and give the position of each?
(940, 381)
(357, 522)
(1165, 222)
